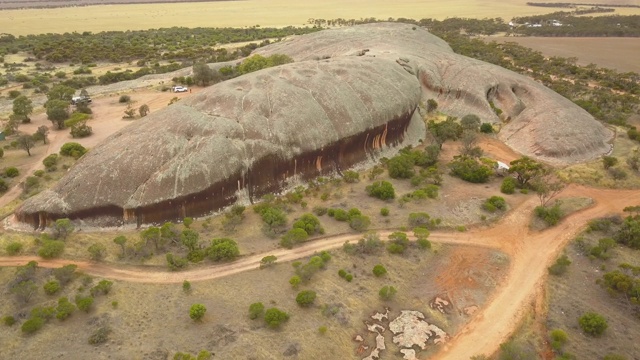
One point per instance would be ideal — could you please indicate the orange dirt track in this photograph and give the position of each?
(531, 253)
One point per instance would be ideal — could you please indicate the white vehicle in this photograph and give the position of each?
(80, 99)
(180, 89)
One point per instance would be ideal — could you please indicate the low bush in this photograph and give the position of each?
(32, 325)
(11, 172)
(306, 298)
(550, 215)
(494, 204)
(51, 287)
(72, 149)
(274, 317)
(508, 185)
(593, 324)
(379, 270)
(256, 310)
(387, 292)
(13, 248)
(51, 249)
(560, 266)
(382, 190)
(124, 99)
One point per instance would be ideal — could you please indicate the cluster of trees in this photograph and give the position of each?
(611, 25)
(150, 45)
(354, 217)
(24, 287)
(307, 225)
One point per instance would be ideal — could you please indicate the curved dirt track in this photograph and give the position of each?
(530, 252)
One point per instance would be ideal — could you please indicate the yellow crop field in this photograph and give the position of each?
(276, 13)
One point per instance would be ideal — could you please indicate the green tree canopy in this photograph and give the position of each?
(22, 108)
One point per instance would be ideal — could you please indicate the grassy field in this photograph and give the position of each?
(249, 13)
(621, 54)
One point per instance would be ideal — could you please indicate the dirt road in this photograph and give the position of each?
(531, 253)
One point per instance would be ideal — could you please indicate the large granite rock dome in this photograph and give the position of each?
(351, 93)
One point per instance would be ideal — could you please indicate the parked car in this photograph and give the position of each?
(180, 89)
(80, 99)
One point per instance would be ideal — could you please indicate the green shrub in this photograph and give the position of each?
(469, 169)
(197, 311)
(72, 149)
(560, 266)
(384, 211)
(295, 281)
(494, 203)
(268, 261)
(351, 176)
(256, 310)
(508, 185)
(306, 298)
(340, 215)
(103, 287)
(100, 336)
(342, 273)
(3, 185)
(387, 292)
(359, 222)
(50, 162)
(486, 128)
(51, 287)
(593, 324)
(75, 119)
(558, 339)
(186, 286)
(379, 270)
(8, 320)
(401, 166)
(32, 325)
(274, 317)
(85, 303)
(382, 190)
(13, 248)
(423, 243)
(319, 210)
(65, 308)
(322, 330)
(51, 249)
(550, 215)
(223, 249)
(609, 161)
(293, 237)
(309, 223)
(398, 242)
(349, 277)
(11, 172)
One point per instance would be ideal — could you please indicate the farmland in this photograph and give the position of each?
(621, 54)
(250, 13)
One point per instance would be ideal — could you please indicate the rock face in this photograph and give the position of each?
(350, 94)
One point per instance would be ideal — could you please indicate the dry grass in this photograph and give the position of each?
(249, 13)
(145, 313)
(576, 292)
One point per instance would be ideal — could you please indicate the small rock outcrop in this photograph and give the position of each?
(351, 93)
